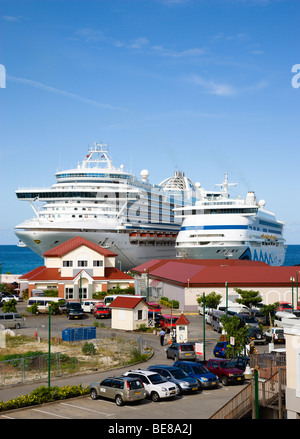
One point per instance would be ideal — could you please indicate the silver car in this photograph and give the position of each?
(177, 376)
(120, 389)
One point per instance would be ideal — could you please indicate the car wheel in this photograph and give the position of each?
(93, 394)
(119, 400)
(155, 396)
(224, 381)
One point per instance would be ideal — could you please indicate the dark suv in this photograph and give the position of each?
(120, 389)
(74, 310)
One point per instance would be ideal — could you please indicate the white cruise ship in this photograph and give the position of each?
(110, 207)
(219, 227)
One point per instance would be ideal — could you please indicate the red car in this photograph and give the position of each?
(224, 370)
(167, 322)
(285, 306)
(102, 311)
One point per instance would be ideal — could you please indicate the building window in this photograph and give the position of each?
(97, 263)
(82, 263)
(140, 314)
(67, 263)
(69, 293)
(83, 293)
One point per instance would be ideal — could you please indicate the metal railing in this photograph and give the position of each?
(271, 385)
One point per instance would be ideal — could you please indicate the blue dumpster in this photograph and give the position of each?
(77, 334)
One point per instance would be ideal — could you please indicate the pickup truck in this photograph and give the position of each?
(226, 373)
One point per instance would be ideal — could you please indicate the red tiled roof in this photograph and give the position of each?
(43, 273)
(201, 272)
(182, 320)
(126, 302)
(66, 247)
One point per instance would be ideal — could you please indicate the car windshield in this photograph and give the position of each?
(179, 374)
(199, 368)
(226, 365)
(156, 379)
(75, 306)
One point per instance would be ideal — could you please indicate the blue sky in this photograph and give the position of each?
(201, 86)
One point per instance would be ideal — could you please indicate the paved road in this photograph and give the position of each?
(198, 406)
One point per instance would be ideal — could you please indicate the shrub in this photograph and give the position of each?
(88, 349)
(42, 395)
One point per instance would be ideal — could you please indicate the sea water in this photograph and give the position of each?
(21, 260)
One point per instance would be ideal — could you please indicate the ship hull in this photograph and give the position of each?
(130, 253)
(274, 256)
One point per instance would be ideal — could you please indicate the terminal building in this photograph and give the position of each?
(185, 280)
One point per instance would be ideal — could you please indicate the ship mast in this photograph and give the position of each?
(97, 154)
(225, 185)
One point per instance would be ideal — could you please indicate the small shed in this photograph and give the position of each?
(182, 329)
(128, 313)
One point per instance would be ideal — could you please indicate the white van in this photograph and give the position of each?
(11, 320)
(43, 303)
(233, 306)
(88, 305)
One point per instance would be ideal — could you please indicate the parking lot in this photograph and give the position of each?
(200, 405)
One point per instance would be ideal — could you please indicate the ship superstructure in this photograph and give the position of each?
(220, 227)
(108, 206)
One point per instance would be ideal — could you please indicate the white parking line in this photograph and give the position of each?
(83, 408)
(50, 413)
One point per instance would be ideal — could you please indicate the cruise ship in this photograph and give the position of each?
(110, 207)
(220, 227)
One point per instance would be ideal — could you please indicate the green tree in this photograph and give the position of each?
(248, 298)
(10, 306)
(269, 311)
(231, 325)
(212, 300)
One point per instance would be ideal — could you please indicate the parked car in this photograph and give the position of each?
(9, 297)
(284, 306)
(156, 386)
(88, 305)
(247, 319)
(74, 310)
(262, 319)
(197, 370)
(226, 373)
(239, 362)
(120, 389)
(275, 335)
(168, 322)
(181, 351)
(220, 349)
(177, 376)
(256, 335)
(102, 311)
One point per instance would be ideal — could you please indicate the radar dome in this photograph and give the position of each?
(144, 174)
(262, 203)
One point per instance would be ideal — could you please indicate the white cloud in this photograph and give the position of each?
(54, 90)
(212, 87)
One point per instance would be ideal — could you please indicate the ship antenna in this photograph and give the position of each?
(225, 185)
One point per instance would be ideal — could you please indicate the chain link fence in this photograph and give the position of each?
(104, 354)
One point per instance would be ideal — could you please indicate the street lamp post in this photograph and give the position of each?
(49, 346)
(293, 280)
(226, 285)
(204, 326)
